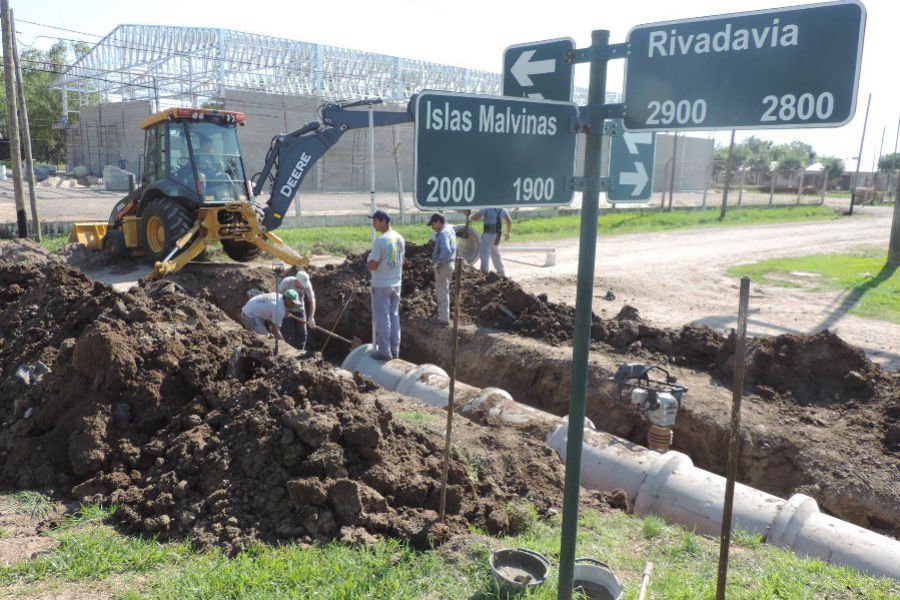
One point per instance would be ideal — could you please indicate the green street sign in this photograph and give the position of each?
(631, 166)
(779, 68)
(475, 151)
(539, 70)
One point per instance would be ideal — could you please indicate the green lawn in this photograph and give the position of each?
(347, 240)
(90, 552)
(872, 288)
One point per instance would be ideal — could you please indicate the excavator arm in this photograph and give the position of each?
(293, 154)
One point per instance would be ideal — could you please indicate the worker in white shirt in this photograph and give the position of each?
(303, 286)
(264, 313)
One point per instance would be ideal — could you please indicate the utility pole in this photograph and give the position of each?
(672, 175)
(890, 190)
(26, 132)
(855, 182)
(876, 160)
(15, 147)
(894, 248)
(727, 178)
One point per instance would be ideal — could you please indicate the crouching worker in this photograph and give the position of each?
(304, 309)
(264, 313)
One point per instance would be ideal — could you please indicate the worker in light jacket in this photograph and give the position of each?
(444, 257)
(489, 250)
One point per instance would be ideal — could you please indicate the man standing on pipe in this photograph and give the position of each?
(385, 262)
(490, 237)
(444, 256)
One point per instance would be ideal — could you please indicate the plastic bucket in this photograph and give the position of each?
(596, 581)
(518, 569)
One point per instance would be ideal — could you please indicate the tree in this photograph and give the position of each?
(793, 157)
(757, 153)
(39, 69)
(833, 167)
(889, 162)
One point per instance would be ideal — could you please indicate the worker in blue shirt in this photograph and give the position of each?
(489, 248)
(444, 258)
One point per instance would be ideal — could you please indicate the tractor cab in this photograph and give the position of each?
(194, 154)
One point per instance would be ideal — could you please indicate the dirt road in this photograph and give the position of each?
(680, 277)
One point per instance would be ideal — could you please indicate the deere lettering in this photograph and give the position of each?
(288, 188)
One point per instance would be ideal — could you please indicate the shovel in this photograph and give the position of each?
(354, 343)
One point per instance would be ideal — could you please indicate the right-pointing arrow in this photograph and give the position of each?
(633, 139)
(637, 178)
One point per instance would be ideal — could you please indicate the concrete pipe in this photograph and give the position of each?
(667, 485)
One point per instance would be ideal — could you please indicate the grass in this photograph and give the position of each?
(90, 550)
(872, 288)
(344, 240)
(34, 504)
(348, 240)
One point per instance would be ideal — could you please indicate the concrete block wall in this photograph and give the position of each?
(692, 165)
(107, 133)
(345, 168)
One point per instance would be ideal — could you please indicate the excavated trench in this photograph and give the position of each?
(818, 418)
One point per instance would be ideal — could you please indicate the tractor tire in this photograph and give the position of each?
(162, 223)
(116, 209)
(114, 243)
(240, 251)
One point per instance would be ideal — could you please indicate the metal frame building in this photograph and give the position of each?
(181, 65)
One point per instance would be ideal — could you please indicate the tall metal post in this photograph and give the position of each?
(875, 161)
(15, 143)
(372, 207)
(26, 131)
(724, 208)
(672, 174)
(581, 344)
(855, 181)
(894, 246)
(890, 190)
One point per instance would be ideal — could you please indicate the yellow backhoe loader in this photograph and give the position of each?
(194, 191)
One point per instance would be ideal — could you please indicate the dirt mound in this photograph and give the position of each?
(817, 369)
(159, 404)
(20, 252)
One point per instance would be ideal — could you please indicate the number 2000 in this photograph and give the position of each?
(446, 189)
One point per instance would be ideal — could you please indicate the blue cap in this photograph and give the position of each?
(381, 216)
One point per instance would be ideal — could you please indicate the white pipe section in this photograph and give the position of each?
(667, 485)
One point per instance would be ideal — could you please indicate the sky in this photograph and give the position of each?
(473, 34)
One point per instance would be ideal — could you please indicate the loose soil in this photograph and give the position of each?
(819, 417)
(158, 403)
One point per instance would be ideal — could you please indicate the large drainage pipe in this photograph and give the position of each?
(668, 485)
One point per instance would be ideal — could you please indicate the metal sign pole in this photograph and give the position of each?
(587, 250)
(734, 441)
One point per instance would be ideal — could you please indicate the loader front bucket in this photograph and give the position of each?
(89, 235)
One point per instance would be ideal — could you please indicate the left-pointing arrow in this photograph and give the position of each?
(524, 68)
(637, 178)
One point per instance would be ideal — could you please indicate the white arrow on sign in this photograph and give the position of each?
(638, 178)
(523, 68)
(633, 139)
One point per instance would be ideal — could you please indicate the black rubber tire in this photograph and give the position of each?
(114, 243)
(176, 221)
(240, 251)
(116, 209)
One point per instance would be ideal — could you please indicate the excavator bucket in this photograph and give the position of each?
(89, 235)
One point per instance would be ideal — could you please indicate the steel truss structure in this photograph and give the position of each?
(187, 64)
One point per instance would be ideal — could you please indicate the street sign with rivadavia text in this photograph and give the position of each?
(779, 68)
